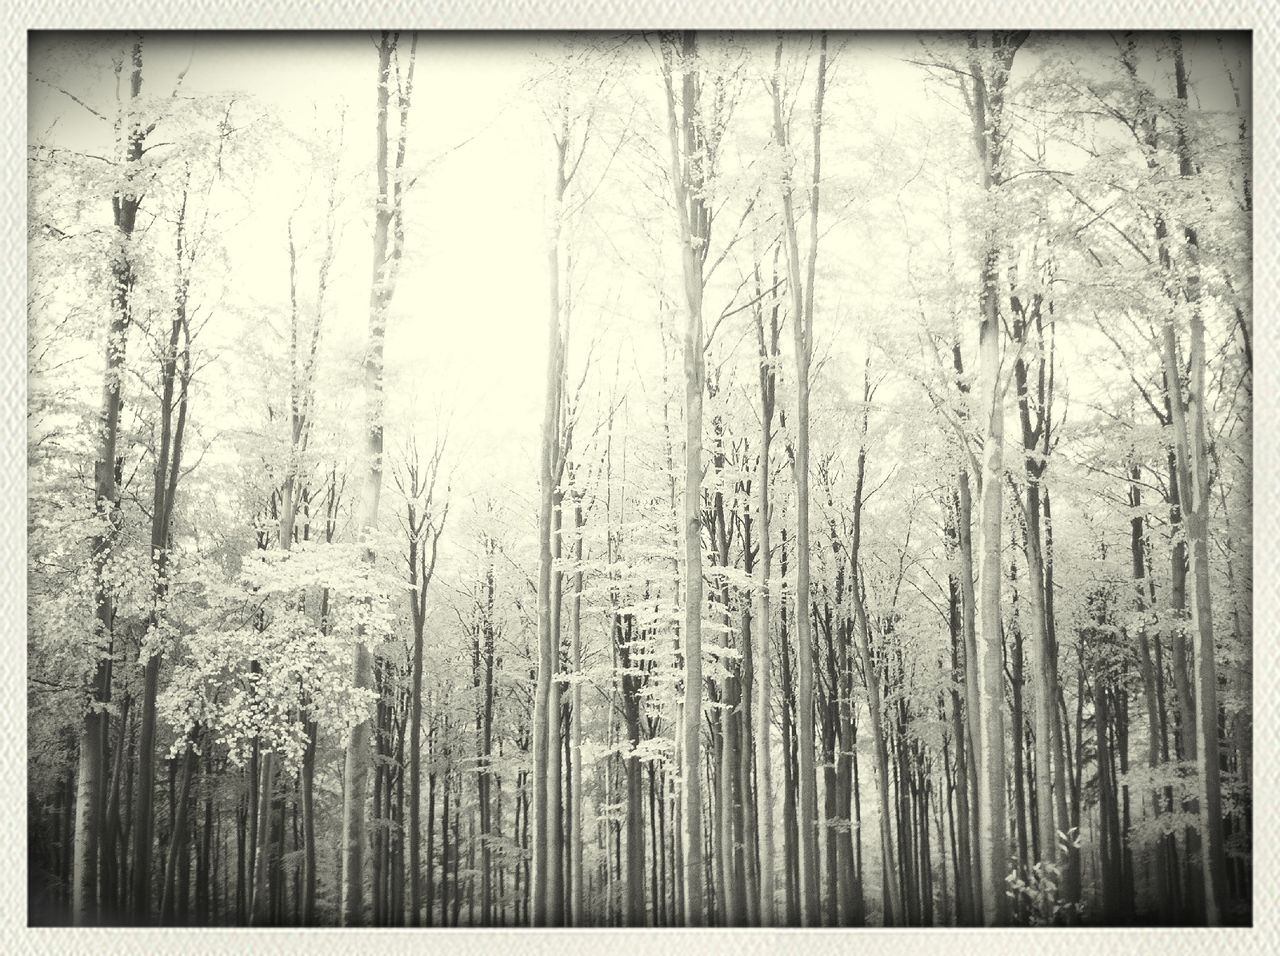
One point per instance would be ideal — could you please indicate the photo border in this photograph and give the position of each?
(22, 15)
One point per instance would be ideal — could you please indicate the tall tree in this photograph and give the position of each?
(388, 248)
(424, 523)
(93, 743)
(767, 350)
(688, 143)
(175, 371)
(989, 67)
(802, 296)
(1191, 448)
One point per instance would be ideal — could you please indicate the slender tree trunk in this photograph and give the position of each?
(693, 219)
(893, 911)
(242, 862)
(554, 872)
(1137, 551)
(577, 910)
(90, 798)
(546, 710)
(306, 791)
(1045, 671)
(429, 895)
(1191, 442)
(415, 772)
(763, 657)
(802, 317)
(178, 839)
(962, 854)
(790, 834)
(987, 102)
(635, 904)
(111, 872)
(388, 240)
(167, 470)
(972, 675)
(261, 908)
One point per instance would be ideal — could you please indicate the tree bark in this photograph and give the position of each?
(388, 239)
(987, 106)
(93, 743)
(1191, 443)
(802, 296)
(763, 658)
(178, 839)
(693, 219)
(577, 909)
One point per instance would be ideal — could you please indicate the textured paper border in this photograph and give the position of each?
(19, 16)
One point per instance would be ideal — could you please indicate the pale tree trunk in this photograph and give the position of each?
(972, 688)
(417, 609)
(747, 821)
(388, 238)
(167, 470)
(790, 835)
(693, 219)
(768, 352)
(1191, 441)
(424, 527)
(260, 910)
(1148, 667)
(260, 900)
(991, 782)
(577, 909)
(728, 863)
(301, 401)
(553, 875)
(90, 797)
(178, 839)
(546, 708)
(893, 907)
(1180, 481)
(893, 911)
(802, 295)
(987, 106)
(961, 836)
(1045, 672)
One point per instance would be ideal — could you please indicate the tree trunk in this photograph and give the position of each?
(987, 102)
(763, 657)
(261, 908)
(790, 834)
(1191, 442)
(1035, 441)
(802, 316)
(577, 909)
(546, 713)
(178, 839)
(972, 681)
(93, 743)
(168, 458)
(415, 771)
(693, 220)
(388, 241)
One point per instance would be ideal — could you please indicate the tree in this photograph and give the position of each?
(767, 350)
(688, 176)
(424, 523)
(388, 249)
(989, 70)
(93, 744)
(802, 295)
